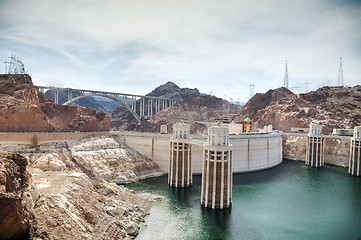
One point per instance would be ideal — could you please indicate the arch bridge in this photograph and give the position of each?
(138, 105)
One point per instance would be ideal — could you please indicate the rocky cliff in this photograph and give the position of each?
(191, 106)
(71, 192)
(23, 108)
(16, 218)
(331, 107)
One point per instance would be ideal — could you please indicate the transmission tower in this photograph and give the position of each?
(251, 89)
(285, 80)
(340, 81)
(14, 65)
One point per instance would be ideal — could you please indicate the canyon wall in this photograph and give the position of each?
(24, 109)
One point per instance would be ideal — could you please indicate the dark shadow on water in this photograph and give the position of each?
(182, 194)
(220, 216)
(335, 170)
(285, 170)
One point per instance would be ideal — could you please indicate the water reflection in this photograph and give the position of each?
(182, 194)
(281, 172)
(221, 217)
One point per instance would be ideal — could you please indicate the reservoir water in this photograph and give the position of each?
(290, 201)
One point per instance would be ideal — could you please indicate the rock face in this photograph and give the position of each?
(77, 207)
(15, 217)
(331, 107)
(168, 90)
(23, 108)
(191, 106)
(72, 192)
(105, 158)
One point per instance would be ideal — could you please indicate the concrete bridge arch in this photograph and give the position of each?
(139, 107)
(106, 96)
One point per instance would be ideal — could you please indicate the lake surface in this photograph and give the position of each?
(290, 201)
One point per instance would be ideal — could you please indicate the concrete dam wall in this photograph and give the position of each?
(250, 152)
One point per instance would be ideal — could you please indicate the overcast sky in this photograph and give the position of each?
(216, 46)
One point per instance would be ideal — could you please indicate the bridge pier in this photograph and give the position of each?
(70, 95)
(355, 153)
(314, 156)
(56, 96)
(217, 176)
(180, 162)
(151, 107)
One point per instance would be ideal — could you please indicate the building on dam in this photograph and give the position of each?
(217, 169)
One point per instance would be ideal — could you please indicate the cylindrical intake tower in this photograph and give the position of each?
(314, 156)
(355, 153)
(217, 169)
(180, 162)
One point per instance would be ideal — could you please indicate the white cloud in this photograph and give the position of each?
(212, 45)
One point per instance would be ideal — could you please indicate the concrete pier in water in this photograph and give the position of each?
(217, 169)
(355, 153)
(180, 161)
(314, 156)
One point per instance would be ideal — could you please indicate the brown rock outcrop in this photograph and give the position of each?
(332, 107)
(14, 179)
(192, 106)
(24, 109)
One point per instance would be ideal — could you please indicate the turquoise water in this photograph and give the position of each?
(290, 201)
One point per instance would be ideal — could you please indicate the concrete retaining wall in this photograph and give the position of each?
(35, 138)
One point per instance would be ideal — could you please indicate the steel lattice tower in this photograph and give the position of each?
(340, 81)
(251, 90)
(285, 80)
